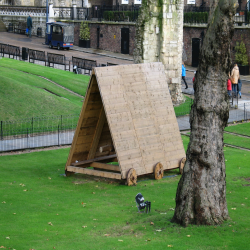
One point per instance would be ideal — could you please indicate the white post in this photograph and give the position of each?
(86, 4)
(51, 11)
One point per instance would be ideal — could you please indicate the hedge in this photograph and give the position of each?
(195, 17)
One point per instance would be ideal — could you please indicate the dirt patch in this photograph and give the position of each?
(248, 180)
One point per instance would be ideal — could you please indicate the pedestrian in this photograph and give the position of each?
(239, 86)
(229, 87)
(234, 78)
(29, 24)
(183, 74)
(194, 76)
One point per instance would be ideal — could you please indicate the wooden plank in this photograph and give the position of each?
(72, 149)
(96, 159)
(106, 148)
(105, 166)
(83, 139)
(97, 134)
(94, 172)
(89, 122)
(86, 131)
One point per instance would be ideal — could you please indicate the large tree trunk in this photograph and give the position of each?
(201, 193)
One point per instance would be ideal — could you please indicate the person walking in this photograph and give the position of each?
(229, 87)
(29, 24)
(239, 86)
(235, 75)
(183, 74)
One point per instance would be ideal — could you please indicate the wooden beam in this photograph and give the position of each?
(92, 160)
(97, 135)
(105, 166)
(106, 148)
(94, 172)
(88, 92)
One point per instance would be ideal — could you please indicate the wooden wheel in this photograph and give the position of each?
(158, 171)
(182, 164)
(131, 177)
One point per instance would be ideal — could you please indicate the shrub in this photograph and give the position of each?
(241, 57)
(84, 31)
(195, 17)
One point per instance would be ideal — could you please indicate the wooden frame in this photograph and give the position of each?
(128, 117)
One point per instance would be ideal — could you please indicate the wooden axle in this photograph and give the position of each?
(105, 166)
(106, 148)
(94, 160)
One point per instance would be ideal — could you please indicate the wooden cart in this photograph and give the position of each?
(127, 117)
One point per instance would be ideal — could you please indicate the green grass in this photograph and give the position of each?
(243, 129)
(69, 80)
(106, 208)
(236, 140)
(184, 108)
(23, 95)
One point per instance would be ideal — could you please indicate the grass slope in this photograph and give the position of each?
(69, 80)
(89, 213)
(23, 95)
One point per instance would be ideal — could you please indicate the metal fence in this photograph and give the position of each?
(241, 112)
(37, 132)
(59, 130)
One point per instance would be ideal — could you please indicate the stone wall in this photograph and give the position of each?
(159, 37)
(38, 22)
(110, 35)
(240, 33)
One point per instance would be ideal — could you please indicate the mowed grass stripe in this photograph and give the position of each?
(69, 80)
(23, 95)
(237, 140)
(243, 129)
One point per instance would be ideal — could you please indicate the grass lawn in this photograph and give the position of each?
(42, 209)
(69, 80)
(184, 108)
(24, 95)
(243, 129)
(236, 140)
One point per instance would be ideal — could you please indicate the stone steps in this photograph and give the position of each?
(2, 27)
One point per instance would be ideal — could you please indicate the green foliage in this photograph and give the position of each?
(195, 17)
(84, 31)
(248, 16)
(118, 15)
(241, 57)
(108, 15)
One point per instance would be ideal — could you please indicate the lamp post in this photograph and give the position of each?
(47, 11)
(47, 15)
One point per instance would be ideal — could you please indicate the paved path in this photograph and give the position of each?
(37, 43)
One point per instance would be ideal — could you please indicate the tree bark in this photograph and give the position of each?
(201, 192)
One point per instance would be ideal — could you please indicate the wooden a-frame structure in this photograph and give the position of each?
(127, 117)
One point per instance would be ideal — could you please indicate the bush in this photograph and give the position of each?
(84, 31)
(241, 57)
(112, 15)
(195, 17)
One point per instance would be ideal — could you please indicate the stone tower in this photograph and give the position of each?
(159, 37)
